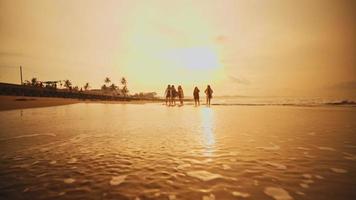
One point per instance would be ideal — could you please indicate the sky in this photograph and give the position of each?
(300, 48)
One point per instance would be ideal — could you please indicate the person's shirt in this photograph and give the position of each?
(196, 91)
(167, 91)
(209, 91)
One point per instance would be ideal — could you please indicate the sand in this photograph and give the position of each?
(18, 102)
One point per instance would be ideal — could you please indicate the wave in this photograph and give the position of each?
(304, 104)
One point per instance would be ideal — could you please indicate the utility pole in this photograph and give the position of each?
(21, 75)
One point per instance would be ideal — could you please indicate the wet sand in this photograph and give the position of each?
(18, 102)
(128, 151)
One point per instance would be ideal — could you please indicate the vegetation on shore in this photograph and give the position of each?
(65, 88)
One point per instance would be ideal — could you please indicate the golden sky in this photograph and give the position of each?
(272, 47)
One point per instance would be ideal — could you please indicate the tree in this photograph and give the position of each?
(68, 84)
(76, 88)
(113, 87)
(123, 81)
(86, 86)
(124, 89)
(34, 81)
(104, 88)
(107, 80)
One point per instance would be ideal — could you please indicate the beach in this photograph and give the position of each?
(25, 102)
(19, 102)
(150, 151)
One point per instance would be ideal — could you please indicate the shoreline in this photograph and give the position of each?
(25, 102)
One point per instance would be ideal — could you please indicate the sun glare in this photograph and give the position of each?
(195, 58)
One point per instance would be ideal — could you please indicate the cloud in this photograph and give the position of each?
(241, 81)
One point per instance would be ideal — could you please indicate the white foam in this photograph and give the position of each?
(203, 175)
(240, 194)
(339, 170)
(69, 180)
(117, 180)
(276, 165)
(326, 148)
(277, 193)
(210, 197)
(53, 162)
(304, 185)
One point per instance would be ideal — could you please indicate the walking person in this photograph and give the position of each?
(167, 93)
(180, 95)
(196, 96)
(209, 95)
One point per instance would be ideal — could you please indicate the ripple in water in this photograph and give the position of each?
(203, 175)
(240, 194)
(277, 193)
(117, 180)
(339, 170)
(69, 180)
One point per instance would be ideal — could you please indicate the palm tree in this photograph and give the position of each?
(113, 87)
(123, 81)
(86, 86)
(104, 88)
(124, 89)
(107, 80)
(34, 81)
(68, 84)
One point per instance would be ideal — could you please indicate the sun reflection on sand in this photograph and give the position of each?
(208, 128)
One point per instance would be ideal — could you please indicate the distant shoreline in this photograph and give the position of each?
(23, 102)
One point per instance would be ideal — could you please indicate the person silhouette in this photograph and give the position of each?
(180, 94)
(167, 93)
(209, 95)
(196, 96)
(173, 95)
